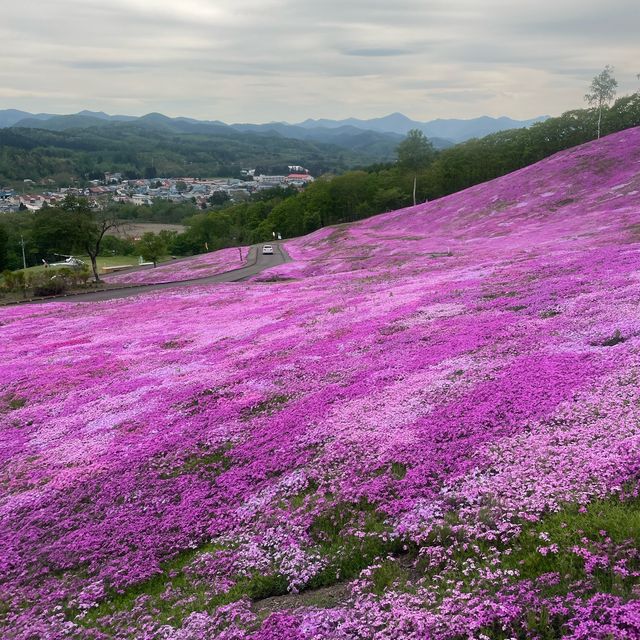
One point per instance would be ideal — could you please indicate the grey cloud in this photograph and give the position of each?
(377, 53)
(109, 65)
(461, 96)
(266, 60)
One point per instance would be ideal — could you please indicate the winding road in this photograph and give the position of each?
(256, 262)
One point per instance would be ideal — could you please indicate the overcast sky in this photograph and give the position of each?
(263, 60)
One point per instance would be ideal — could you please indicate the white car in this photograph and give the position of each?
(267, 250)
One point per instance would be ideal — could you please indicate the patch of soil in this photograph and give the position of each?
(323, 598)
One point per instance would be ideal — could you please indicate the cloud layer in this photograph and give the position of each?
(261, 60)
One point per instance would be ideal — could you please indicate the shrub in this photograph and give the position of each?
(14, 282)
(49, 286)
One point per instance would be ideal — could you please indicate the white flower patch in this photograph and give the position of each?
(426, 314)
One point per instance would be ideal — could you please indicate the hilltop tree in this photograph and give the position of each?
(602, 92)
(414, 153)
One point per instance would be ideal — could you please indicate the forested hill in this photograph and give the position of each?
(159, 146)
(86, 144)
(359, 194)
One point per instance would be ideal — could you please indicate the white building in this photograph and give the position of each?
(271, 180)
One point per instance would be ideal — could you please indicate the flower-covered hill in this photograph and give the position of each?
(426, 426)
(533, 210)
(202, 266)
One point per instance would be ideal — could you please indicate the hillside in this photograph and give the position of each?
(156, 145)
(425, 426)
(9, 117)
(88, 143)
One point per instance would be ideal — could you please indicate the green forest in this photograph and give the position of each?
(334, 199)
(149, 148)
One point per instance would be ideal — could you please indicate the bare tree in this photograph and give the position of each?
(97, 228)
(602, 92)
(90, 227)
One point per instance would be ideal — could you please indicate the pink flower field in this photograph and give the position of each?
(425, 427)
(208, 264)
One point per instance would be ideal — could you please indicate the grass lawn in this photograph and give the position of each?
(103, 261)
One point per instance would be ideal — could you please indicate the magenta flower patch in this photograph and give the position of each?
(425, 426)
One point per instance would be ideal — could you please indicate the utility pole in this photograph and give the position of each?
(24, 259)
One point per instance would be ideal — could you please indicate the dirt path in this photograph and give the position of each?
(323, 598)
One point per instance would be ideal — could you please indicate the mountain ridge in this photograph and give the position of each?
(442, 131)
(454, 129)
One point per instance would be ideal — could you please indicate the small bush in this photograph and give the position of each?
(13, 281)
(50, 286)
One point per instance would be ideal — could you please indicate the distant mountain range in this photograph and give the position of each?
(383, 134)
(452, 130)
(15, 117)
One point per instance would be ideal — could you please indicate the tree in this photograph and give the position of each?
(218, 198)
(168, 237)
(152, 247)
(602, 92)
(91, 227)
(113, 245)
(414, 153)
(54, 233)
(212, 229)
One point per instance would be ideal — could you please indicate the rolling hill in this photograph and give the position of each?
(89, 143)
(156, 145)
(425, 426)
(10, 117)
(376, 137)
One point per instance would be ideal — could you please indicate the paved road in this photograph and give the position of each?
(256, 262)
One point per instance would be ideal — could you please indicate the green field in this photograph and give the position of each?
(103, 261)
